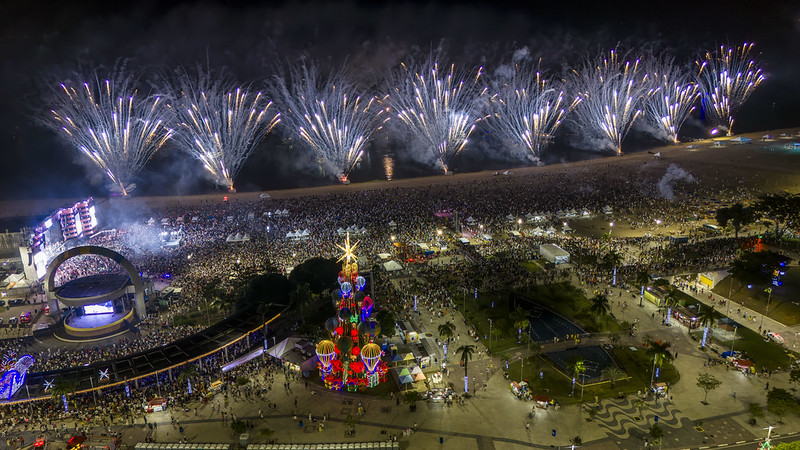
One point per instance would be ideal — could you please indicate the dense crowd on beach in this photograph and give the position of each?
(393, 222)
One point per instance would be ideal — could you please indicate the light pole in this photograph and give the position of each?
(766, 310)
(519, 224)
(610, 228)
(490, 335)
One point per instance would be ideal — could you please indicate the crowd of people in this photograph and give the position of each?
(395, 220)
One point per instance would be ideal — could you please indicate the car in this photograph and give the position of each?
(15, 302)
(47, 309)
(13, 321)
(775, 337)
(25, 317)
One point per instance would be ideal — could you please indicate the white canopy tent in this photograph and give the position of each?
(392, 266)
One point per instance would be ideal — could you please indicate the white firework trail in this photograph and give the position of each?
(441, 107)
(330, 115)
(727, 78)
(612, 92)
(673, 98)
(219, 123)
(113, 125)
(528, 109)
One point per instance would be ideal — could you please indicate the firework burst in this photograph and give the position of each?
(529, 109)
(611, 93)
(118, 129)
(672, 99)
(727, 78)
(442, 108)
(218, 123)
(329, 115)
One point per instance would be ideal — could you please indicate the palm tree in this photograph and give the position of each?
(520, 318)
(301, 297)
(189, 372)
(600, 306)
(612, 373)
(669, 301)
(446, 330)
(466, 352)
(706, 319)
(62, 388)
(577, 367)
(642, 279)
(660, 352)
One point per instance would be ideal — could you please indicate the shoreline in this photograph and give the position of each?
(703, 158)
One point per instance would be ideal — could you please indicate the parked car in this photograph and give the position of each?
(16, 302)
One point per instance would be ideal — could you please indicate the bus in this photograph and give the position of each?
(712, 227)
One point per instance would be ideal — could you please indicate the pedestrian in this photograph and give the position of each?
(527, 426)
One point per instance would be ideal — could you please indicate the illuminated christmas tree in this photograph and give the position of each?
(350, 358)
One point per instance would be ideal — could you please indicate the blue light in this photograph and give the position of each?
(658, 370)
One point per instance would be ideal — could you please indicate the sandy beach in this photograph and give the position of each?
(762, 164)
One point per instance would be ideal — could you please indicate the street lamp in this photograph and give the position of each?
(734, 339)
(610, 228)
(519, 224)
(490, 335)
(766, 310)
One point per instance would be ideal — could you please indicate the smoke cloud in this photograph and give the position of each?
(674, 174)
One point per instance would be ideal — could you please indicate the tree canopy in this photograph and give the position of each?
(757, 268)
(318, 273)
(737, 216)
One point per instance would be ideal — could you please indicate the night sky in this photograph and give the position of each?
(41, 40)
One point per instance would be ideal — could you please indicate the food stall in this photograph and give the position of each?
(155, 405)
(544, 402)
(520, 389)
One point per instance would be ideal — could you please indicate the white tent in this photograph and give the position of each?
(538, 231)
(340, 231)
(290, 235)
(515, 233)
(164, 221)
(550, 230)
(392, 266)
(195, 219)
(284, 212)
(511, 218)
(384, 255)
(607, 210)
(471, 220)
(741, 140)
(566, 229)
(151, 221)
(264, 196)
(392, 224)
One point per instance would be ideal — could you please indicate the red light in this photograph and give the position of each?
(225, 199)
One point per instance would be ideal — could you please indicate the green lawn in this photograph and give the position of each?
(562, 298)
(532, 266)
(783, 305)
(766, 355)
(637, 364)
